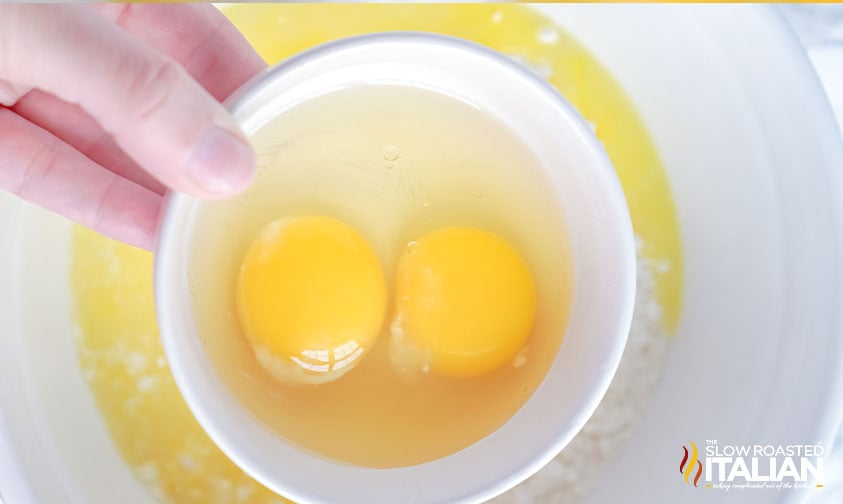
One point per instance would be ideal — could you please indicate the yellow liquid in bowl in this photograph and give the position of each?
(395, 163)
(119, 349)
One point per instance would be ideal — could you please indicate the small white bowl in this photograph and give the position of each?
(602, 253)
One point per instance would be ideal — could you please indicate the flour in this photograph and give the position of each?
(570, 476)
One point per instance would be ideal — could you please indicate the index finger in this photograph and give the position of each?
(155, 111)
(199, 37)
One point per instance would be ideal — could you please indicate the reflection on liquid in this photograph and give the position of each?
(325, 361)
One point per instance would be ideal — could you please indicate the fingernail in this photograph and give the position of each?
(222, 164)
(8, 94)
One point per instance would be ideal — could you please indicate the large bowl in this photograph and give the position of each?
(753, 157)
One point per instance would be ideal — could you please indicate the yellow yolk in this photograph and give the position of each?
(465, 304)
(311, 298)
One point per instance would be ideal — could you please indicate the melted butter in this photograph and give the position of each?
(119, 350)
(122, 360)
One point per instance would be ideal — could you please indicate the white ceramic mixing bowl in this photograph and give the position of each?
(603, 257)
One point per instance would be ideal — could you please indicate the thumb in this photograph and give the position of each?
(155, 111)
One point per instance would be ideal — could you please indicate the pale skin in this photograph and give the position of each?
(104, 108)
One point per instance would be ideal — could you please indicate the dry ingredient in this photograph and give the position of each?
(569, 477)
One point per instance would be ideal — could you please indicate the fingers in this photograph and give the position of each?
(78, 129)
(199, 37)
(156, 113)
(42, 169)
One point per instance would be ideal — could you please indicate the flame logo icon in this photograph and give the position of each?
(686, 467)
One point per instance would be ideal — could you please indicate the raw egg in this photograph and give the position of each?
(479, 299)
(465, 303)
(311, 298)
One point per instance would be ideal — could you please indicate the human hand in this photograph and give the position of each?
(104, 108)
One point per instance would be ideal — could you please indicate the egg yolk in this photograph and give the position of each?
(464, 304)
(311, 298)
